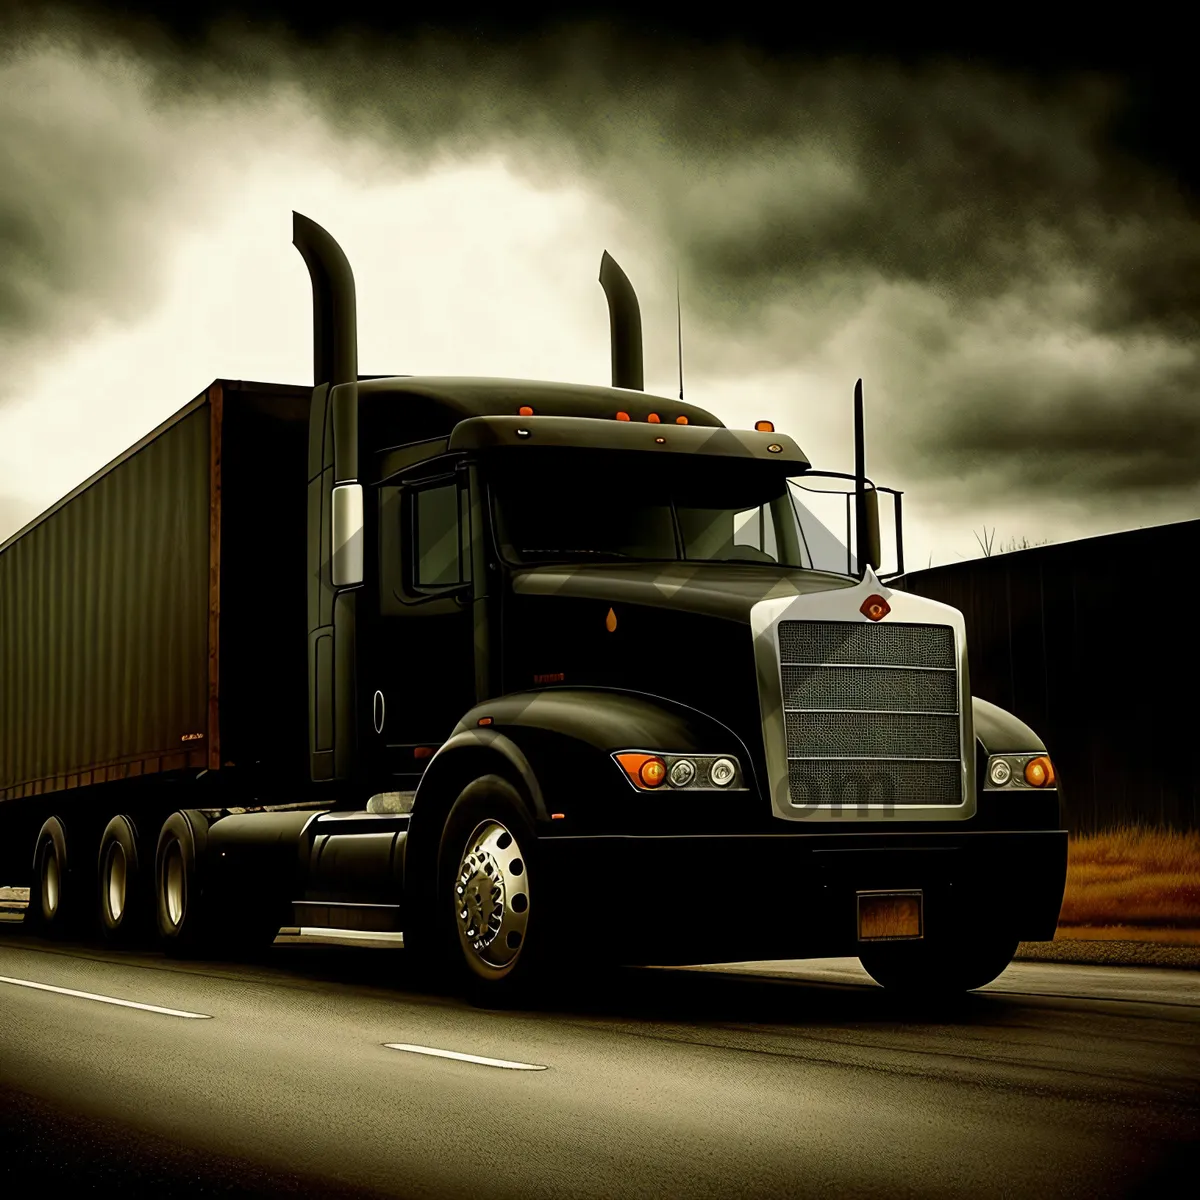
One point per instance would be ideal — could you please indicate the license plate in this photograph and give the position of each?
(889, 916)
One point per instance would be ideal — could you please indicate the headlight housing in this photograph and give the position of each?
(1020, 772)
(649, 771)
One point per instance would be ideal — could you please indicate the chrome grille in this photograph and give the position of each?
(871, 713)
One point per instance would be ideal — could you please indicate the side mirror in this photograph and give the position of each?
(347, 560)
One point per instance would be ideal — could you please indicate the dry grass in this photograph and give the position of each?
(1133, 878)
(1131, 933)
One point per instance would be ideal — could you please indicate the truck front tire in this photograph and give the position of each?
(487, 918)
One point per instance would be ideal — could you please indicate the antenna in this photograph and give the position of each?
(679, 329)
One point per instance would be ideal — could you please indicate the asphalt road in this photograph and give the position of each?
(796, 1080)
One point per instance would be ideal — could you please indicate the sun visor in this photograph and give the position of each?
(593, 433)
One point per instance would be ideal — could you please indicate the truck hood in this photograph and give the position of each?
(727, 590)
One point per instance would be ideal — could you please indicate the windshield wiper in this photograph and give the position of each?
(756, 562)
(569, 553)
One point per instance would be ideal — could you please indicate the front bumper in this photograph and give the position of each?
(722, 898)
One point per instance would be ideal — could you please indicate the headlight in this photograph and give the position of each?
(683, 772)
(722, 772)
(1000, 772)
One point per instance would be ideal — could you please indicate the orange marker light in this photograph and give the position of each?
(764, 426)
(681, 420)
(1039, 772)
(484, 721)
(422, 752)
(875, 608)
(610, 621)
(653, 418)
(622, 416)
(653, 772)
(557, 816)
(644, 770)
(525, 411)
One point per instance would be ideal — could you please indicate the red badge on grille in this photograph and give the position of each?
(875, 607)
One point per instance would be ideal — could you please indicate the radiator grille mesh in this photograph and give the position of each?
(871, 713)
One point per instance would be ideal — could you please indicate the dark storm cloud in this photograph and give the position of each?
(82, 183)
(995, 211)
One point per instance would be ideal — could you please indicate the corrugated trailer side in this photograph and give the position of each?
(152, 627)
(104, 625)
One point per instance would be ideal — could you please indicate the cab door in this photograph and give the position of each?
(424, 673)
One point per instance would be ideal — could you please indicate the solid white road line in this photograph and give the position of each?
(473, 1058)
(45, 987)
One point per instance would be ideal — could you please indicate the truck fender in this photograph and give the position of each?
(473, 752)
(560, 741)
(999, 732)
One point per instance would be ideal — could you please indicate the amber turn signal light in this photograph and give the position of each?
(1039, 772)
(622, 416)
(654, 419)
(764, 426)
(526, 411)
(681, 420)
(644, 770)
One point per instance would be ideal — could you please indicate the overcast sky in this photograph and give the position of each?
(1016, 287)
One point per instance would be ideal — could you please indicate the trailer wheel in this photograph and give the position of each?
(938, 968)
(490, 926)
(55, 907)
(124, 908)
(178, 886)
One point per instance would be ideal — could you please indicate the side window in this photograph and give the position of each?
(439, 551)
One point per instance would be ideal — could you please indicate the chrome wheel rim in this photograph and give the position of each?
(173, 886)
(491, 896)
(116, 874)
(51, 881)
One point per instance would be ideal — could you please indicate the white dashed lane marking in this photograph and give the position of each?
(471, 1058)
(61, 991)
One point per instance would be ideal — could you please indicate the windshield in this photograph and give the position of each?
(561, 505)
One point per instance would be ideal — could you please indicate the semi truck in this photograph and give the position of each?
(537, 676)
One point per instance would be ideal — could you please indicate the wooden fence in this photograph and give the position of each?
(1094, 644)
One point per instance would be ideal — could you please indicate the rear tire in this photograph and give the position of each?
(58, 893)
(931, 968)
(123, 901)
(179, 901)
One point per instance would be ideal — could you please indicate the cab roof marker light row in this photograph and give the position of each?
(653, 418)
